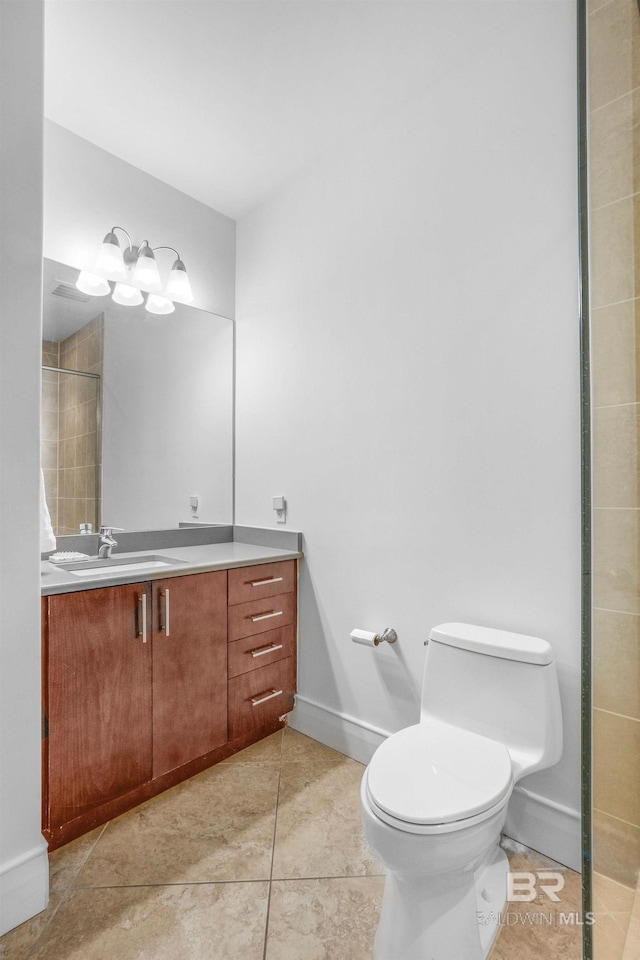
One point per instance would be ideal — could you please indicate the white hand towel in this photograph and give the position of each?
(47, 538)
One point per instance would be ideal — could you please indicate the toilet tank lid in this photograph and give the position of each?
(493, 642)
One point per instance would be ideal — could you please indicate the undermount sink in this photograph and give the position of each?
(104, 565)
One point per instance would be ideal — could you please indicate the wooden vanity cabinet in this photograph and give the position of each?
(148, 683)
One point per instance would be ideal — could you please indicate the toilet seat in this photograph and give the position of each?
(434, 778)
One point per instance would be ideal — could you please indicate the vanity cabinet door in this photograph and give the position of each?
(189, 668)
(99, 698)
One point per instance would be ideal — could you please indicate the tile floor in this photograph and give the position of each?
(617, 928)
(261, 857)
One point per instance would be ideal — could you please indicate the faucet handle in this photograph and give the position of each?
(107, 531)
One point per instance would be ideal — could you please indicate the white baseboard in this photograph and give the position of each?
(534, 820)
(546, 826)
(24, 887)
(350, 736)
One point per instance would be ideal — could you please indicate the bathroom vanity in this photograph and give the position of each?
(153, 672)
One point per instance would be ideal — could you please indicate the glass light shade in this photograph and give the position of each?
(145, 273)
(110, 262)
(161, 305)
(92, 284)
(178, 286)
(127, 296)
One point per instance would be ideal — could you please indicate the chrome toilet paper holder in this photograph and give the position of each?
(388, 634)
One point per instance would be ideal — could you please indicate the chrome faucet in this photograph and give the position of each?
(107, 543)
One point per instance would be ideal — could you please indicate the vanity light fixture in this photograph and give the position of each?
(157, 304)
(92, 284)
(145, 272)
(126, 295)
(135, 272)
(110, 260)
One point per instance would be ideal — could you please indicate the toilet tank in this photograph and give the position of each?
(499, 684)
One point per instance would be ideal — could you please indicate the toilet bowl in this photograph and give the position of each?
(434, 796)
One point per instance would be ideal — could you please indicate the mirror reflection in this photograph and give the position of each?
(136, 412)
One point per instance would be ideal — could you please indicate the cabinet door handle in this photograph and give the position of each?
(263, 697)
(260, 651)
(266, 616)
(261, 583)
(142, 601)
(165, 626)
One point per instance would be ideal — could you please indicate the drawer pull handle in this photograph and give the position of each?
(266, 616)
(260, 651)
(263, 697)
(261, 583)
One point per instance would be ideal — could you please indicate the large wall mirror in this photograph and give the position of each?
(137, 411)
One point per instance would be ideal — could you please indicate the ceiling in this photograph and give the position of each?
(226, 100)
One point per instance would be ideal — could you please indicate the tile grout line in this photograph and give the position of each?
(273, 850)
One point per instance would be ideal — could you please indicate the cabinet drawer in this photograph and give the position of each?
(258, 616)
(250, 653)
(257, 697)
(262, 580)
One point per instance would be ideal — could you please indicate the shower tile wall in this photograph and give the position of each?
(71, 492)
(49, 435)
(614, 170)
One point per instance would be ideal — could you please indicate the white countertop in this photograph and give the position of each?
(195, 559)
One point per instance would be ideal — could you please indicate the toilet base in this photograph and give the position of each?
(454, 916)
(491, 895)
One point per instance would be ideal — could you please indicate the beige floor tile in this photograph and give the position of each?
(570, 894)
(141, 888)
(329, 919)
(268, 750)
(195, 922)
(608, 939)
(64, 865)
(613, 896)
(66, 862)
(319, 831)
(632, 942)
(532, 931)
(16, 944)
(540, 930)
(616, 848)
(217, 826)
(296, 746)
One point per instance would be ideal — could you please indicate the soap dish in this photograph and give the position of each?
(68, 556)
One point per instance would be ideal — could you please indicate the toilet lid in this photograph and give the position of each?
(434, 773)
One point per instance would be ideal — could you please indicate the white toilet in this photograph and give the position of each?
(434, 796)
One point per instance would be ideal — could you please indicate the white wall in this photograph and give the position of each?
(23, 857)
(408, 377)
(87, 191)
